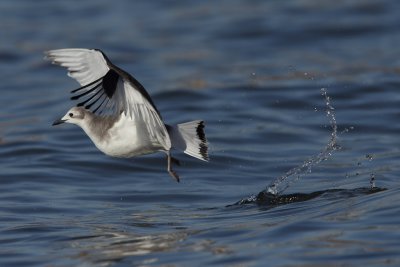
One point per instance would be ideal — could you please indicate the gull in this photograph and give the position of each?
(117, 113)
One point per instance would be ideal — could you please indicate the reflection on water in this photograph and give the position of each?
(110, 247)
(107, 246)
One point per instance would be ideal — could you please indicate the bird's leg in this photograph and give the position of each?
(170, 171)
(175, 161)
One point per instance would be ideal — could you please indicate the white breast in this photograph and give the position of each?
(126, 138)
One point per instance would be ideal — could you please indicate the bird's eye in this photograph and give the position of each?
(71, 114)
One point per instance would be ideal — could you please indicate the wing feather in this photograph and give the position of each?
(105, 88)
(84, 65)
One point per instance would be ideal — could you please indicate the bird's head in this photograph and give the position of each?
(75, 115)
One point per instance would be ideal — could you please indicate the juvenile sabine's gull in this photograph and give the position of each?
(118, 114)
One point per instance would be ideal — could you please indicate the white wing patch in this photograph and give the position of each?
(84, 65)
(138, 108)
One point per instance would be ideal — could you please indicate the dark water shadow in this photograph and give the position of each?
(267, 199)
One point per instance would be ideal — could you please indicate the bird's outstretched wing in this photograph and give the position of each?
(105, 88)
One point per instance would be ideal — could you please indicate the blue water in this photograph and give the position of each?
(253, 70)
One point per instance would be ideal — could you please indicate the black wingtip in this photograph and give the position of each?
(87, 85)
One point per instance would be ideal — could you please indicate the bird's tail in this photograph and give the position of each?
(190, 138)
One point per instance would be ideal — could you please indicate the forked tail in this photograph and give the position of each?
(190, 138)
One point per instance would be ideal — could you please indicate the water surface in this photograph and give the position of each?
(253, 70)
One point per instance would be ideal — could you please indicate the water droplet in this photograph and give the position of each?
(272, 189)
(372, 181)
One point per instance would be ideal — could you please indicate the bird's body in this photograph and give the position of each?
(120, 136)
(132, 125)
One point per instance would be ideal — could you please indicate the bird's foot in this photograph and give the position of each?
(174, 175)
(171, 172)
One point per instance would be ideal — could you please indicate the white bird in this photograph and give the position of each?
(118, 114)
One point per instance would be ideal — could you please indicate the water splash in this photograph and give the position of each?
(273, 196)
(280, 184)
